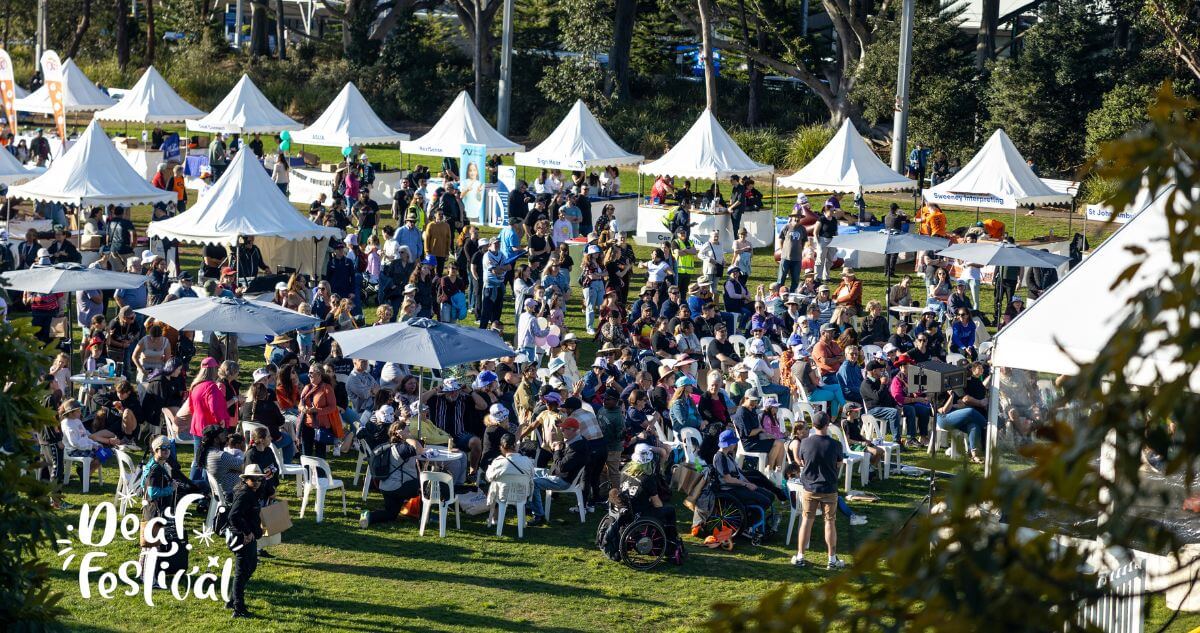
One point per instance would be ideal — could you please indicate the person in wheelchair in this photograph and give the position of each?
(645, 488)
(732, 480)
(639, 529)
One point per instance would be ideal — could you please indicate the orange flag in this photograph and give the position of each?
(53, 75)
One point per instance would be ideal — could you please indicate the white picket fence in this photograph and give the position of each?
(1120, 609)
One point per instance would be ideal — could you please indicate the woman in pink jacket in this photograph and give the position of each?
(207, 406)
(918, 403)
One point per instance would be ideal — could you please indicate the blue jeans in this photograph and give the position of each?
(889, 416)
(194, 471)
(540, 486)
(828, 393)
(493, 302)
(591, 300)
(916, 419)
(287, 448)
(790, 269)
(967, 420)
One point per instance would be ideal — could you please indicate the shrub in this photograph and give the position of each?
(805, 143)
(763, 144)
(1096, 189)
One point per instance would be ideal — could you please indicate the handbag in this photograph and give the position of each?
(275, 518)
(58, 327)
(103, 454)
(324, 436)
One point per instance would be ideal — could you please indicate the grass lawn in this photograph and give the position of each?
(336, 576)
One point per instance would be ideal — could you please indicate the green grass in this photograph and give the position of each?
(335, 576)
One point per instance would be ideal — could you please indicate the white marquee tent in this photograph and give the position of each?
(706, 151)
(1075, 319)
(996, 178)
(462, 123)
(151, 100)
(13, 172)
(348, 121)
(80, 94)
(845, 165)
(91, 172)
(578, 142)
(244, 202)
(245, 110)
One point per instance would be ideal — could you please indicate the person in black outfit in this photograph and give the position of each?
(250, 259)
(569, 459)
(518, 201)
(893, 221)
(241, 535)
(646, 491)
(62, 251)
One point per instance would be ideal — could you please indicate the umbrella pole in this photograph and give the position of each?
(1071, 218)
(887, 295)
(998, 283)
(976, 214)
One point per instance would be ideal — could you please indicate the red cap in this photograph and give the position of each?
(569, 423)
(209, 362)
(228, 271)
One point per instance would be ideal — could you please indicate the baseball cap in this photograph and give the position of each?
(449, 385)
(43, 252)
(531, 303)
(262, 373)
(209, 361)
(888, 348)
(642, 454)
(228, 271)
(685, 381)
(499, 412)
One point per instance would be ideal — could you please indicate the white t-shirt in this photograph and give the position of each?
(967, 272)
(561, 231)
(657, 272)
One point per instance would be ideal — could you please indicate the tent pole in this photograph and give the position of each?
(775, 196)
(1071, 218)
(998, 284)
(976, 214)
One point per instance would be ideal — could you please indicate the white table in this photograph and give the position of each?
(903, 311)
(650, 225)
(94, 381)
(448, 460)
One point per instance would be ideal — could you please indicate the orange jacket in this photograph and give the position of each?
(322, 402)
(934, 223)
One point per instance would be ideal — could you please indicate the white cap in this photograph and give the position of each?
(499, 412)
(43, 252)
(642, 454)
(262, 373)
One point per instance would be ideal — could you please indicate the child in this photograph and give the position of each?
(304, 337)
(60, 369)
(374, 259)
(742, 252)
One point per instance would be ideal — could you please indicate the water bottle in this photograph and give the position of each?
(111, 370)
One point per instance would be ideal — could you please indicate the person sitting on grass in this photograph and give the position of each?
(400, 481)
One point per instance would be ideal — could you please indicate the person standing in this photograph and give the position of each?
(826, 230)
(245, 528)
(218, 156)
(821, 457)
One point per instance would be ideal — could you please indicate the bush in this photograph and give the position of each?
(1122, 110)
(1096, 189)
(805, 143)
(763, 144)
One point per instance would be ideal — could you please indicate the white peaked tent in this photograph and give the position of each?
(245, 110)
(996, 178)
(91, 172)
(12, 171)
(348, 121)
(151, 100)
(244, 202)
(706, 151)
(462, 123)
(80, 94)
(1075, 319)
(845, 165)
(578, 142)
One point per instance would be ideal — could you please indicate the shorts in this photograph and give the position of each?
(828, 501)
(463, 440)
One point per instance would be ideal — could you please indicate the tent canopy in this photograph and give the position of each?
(245, 110)
(996, 178)
(1083, 310)
(706, 151)
(151, 100)
(91, 172)
(578, 142)
(244, 202)
(349, 120)
(12, 171)
(462, 123)
(845, 165)
(80, 94)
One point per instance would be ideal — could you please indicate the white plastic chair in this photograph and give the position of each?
(691, 440)
(577, 489)
(248, 428)
(127, 481)
(431, 495)
(217, 499)
(364, 458)
(286, 470)
(873, 430)
(86, 464)
(795, 490)
(872, 351)
(665, 433)
(853, 459)
(803, 399)
(739, 345)
(759, 457)
(948, 439)
(787, 419)
(320, 479)
(514, 490)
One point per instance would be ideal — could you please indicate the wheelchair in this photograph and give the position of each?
(641, 542)
(727, 511)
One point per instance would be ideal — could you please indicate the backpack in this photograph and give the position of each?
(609, 537)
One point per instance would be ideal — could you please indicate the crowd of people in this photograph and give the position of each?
(683, 340)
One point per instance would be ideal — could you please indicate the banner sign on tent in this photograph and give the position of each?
(965, 199)
(472, 183)
(8, 90)
(52, 72)
(507, 175)
(170, 148)
(1101, 213)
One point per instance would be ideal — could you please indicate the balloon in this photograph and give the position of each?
(285, 135)
(286, 145)
(347, 151)
(539, 341)
(552, 340)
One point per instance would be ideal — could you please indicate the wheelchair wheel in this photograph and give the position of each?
(727, 511)
(601, 529)
(643, 544)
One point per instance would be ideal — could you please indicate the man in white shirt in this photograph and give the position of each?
(509, 463)
(712, 255)
(528, 330)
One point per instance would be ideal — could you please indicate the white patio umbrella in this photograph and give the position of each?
(1003, 255)
(887, 242)
(224, 314)
(67, 279)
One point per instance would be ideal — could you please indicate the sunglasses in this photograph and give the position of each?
(921, 339)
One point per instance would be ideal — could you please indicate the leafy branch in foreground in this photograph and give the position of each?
(974, 564)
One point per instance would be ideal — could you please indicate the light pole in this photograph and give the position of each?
(900, 123)
(505, 90)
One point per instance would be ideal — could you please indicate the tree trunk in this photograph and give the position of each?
(617, 82)
(484, 43)
(260, 45)
(7, 20)
(989, 23)
(151, 37)
(477, 53)
(280, 35)
(85, 19)
(706, 51)
(754, 83)
(121, 13)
